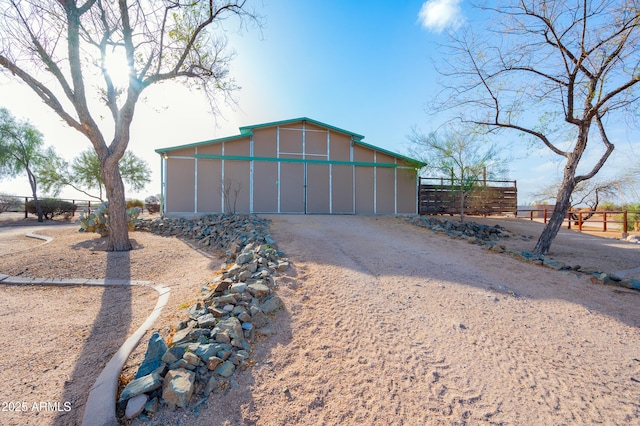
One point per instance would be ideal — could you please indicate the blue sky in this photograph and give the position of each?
(367, 67)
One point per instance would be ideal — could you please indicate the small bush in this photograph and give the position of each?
(152, 204)
(52, 207)
(98, 220)
(9, 203)
(134, 203)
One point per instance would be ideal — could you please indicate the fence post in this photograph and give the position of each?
(580, 221)
(89, 207)
(624, 225)
(26, 200)
(545, 215)
(569, 219)
(604, 222)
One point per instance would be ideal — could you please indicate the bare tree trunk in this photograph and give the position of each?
(32, 182)
(563, 203)
(118, 226)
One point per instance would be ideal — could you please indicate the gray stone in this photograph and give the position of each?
(182, 336)
(228, 308)
(244, 276)
(244, 317)
(553, 263)
(222, 285)
(169, 357)
(271, 304)
(152, 406)
(196, 310)
(207, 320)
(217, 312)
(232, 326)
(191, 358)
(135, 406)
(247, 326)
(244, 258)
(258, 290)
(223, 337)
(238, 288)
(212, 384)
(153, 357)
(181, 364)
(141, 385)
(259, 319)
(178, 387)
(226, 369)
(252, 266)
(237, 310)
(208, 350)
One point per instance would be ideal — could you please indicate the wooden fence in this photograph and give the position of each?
(489, 197)
(83, 205)
(622, 221)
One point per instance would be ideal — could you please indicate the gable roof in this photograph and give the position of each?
(247, 131)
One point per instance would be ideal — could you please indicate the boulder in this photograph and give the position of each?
(135, 406)
(141, 385)
(178, 387)
(153, 357)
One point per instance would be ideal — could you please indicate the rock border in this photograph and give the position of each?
(488, 237)
(215, 340)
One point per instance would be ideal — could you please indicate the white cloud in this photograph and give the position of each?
(438, 15)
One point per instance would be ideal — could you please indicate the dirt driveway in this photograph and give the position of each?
(386, 323)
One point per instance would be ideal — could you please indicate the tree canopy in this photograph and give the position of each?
(62, 50)
(561, 73)
(21, 151)
(84, 174)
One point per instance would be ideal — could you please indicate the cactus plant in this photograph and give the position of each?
(98, 220)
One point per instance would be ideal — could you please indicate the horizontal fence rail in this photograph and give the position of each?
(488, 197)
(623, 220)
(83, 205)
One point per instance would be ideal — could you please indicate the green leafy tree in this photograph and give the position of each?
(460, 155)
(21, 151)
(63, 49)
(561, 73)
(84, 174)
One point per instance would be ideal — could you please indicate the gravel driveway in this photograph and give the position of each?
(386, 323)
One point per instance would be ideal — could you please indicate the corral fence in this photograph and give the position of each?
(488, 197)
(622, 221)
(82, 205)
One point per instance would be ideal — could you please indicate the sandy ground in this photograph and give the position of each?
(384, 323)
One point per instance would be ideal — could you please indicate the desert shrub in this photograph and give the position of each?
(135, 203)
(152, 204)
(9, 203)
(52, 207)
(98, 220)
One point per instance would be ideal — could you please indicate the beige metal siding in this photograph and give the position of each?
(291, 188)
(209, 185)
(265, 187)
(180, 185)
(407, 202)
(264, 142)
(342, 189)
(364, 189)
(385, 190)
(318, 188)
(340, 147)
(236, 183)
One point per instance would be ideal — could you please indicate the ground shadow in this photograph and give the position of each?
(108, 332)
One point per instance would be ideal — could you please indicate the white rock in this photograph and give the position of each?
(135, 406)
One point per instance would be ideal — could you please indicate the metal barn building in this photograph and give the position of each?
(292, 166)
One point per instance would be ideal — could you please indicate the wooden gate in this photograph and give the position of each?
(442, 196)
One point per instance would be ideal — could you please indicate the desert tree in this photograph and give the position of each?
(560, 73)
(21, 151)
(63, 51)
(461, 155)
(84, 175)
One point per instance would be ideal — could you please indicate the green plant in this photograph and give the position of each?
(98, 220)
(52, 207)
